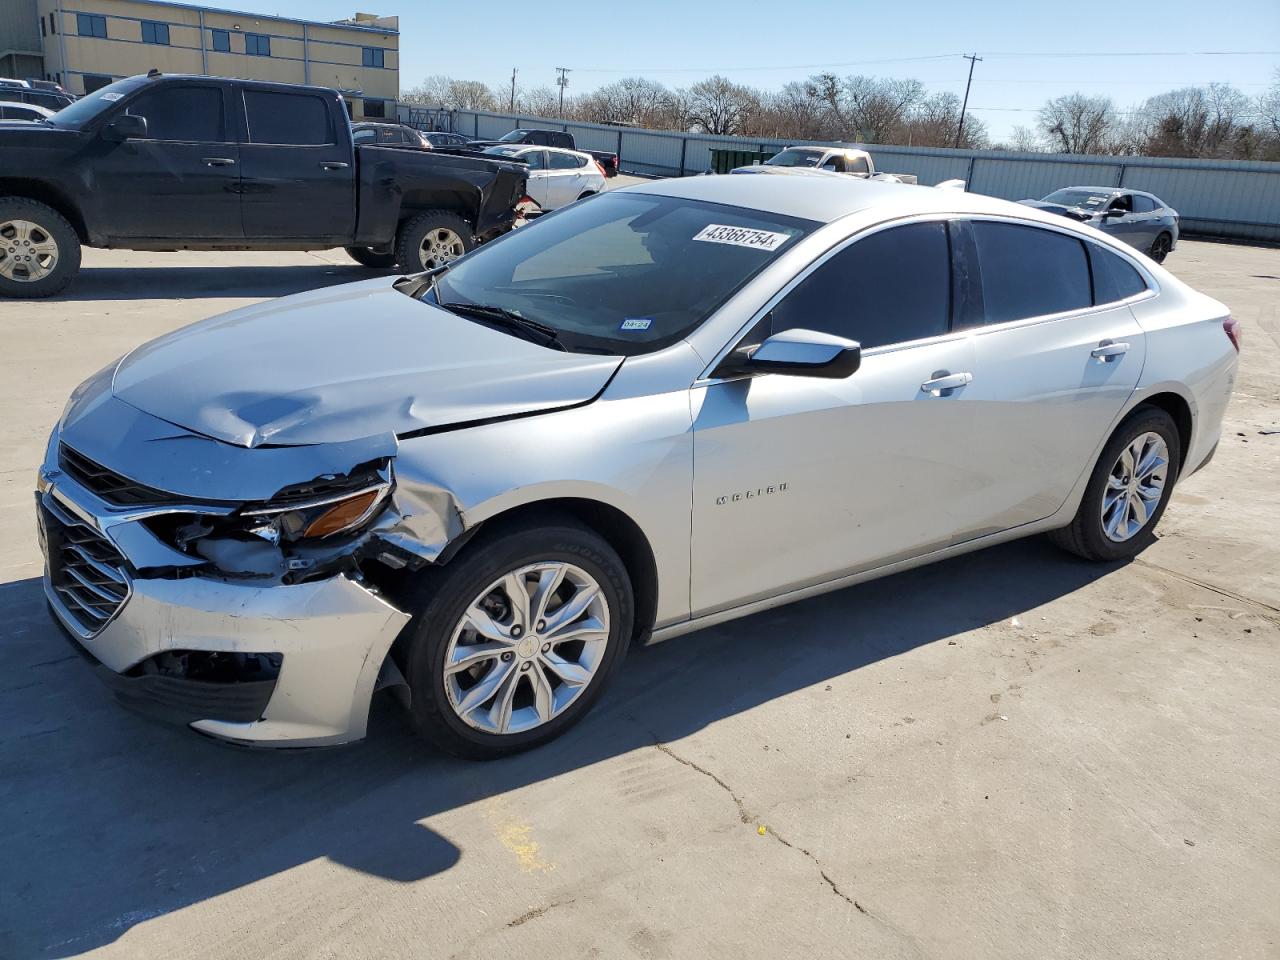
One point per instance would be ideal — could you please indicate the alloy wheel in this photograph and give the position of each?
(27, 251)
(1134, 487)
(440, 246)
(1160, 248)
(526, 648)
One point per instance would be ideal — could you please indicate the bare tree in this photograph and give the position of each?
(717, 106)
(1076, 123)
(933, 122)
(631, 100)
(452, 94)
(1268, 107)
(877, 107)
(540, 101)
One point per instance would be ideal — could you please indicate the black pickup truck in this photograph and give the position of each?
(552, 138)
(204, 163)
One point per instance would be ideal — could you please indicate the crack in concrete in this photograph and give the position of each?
(537, 912)
(1213, 588)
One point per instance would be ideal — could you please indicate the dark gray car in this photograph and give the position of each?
(1140, 219)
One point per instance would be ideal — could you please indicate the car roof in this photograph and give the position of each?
(827, 199)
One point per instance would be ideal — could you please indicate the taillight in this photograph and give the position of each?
(600, 167)
(1231, 327)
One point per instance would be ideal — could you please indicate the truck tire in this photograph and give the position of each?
(368, 257)
(39, 250)
(431, 240)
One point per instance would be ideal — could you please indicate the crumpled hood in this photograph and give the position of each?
(344, 363)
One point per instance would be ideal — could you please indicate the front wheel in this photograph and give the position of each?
(39, 250)
(1161, 247)
(431, 240)
(516, 639)
(368, 257)
(1128, 490)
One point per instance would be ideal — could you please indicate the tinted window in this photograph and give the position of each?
(1143, 204)
(1029, 272)
(11, 94)
(375, 108)
(257, 44)
(1123, 202)
(181, 113)
(1114, 278)
(91, 25)
(50, 101)
(373, 57)
(221, 41)
(564, 161)
(537, 159)
(94, 81)
(890, 287)
(286, 118)
(366, 135)
(155, 32)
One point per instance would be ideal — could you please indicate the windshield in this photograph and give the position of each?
(795, 158)
(621, 273)
(92, 104)
(515, 136)
(1075, 197)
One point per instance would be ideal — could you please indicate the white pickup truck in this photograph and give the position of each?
(846, 160)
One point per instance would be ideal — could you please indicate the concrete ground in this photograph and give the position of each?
(1012, 754)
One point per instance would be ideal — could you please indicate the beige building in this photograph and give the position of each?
(87, 44)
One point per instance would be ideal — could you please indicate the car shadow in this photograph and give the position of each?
(111, 820)
(228, 282)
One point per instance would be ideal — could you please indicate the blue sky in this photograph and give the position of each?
(768, 44)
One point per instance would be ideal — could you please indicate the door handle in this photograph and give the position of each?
(219, 162)
(1109, 351)
(943, 384)
(333, 165)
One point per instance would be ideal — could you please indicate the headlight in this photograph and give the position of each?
(320, 517)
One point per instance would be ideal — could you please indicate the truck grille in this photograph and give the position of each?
(85, 569)
(107, 484)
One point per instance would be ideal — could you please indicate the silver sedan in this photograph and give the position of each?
(655, 410)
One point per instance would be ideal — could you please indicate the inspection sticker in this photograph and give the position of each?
(636, 323)
(741, 236)
(112, 97)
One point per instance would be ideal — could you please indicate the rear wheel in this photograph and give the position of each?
(515, 639)
(1161, 246)
(368, 257)
(432, 239)
(1128, 490)
(39, 251)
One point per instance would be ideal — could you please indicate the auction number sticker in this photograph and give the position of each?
(741, 236)
(112, 97)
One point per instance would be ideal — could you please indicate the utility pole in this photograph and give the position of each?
(513, 90)
(562, 81)
(972, 58)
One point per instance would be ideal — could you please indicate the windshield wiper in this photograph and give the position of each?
(509, 320)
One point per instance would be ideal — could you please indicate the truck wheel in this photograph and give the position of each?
(431, 240)
(368, 257)
(39, 251)
(515, 639)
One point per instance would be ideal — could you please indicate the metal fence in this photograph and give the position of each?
(1228, 198)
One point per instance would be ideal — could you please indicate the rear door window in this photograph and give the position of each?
(287, 118)
(890, 287)
(563, 161)
(1029, 272)
(184, 114)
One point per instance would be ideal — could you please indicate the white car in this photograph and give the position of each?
(682, 402)
(557, 177)
(24, 111)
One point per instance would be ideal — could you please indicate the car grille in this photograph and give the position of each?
(109, 485)
(85, 569)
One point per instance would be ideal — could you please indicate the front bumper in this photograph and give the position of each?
(331, 636)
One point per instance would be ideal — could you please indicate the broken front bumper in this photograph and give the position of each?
(324, 641)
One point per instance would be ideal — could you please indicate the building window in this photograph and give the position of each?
(94, 81)
(222, 41)
(374, 57)
(42, 30)
(257, 44)
(155, 32)
(375, 108)
(53, 24)
(91, 25)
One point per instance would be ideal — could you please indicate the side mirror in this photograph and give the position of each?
(806, 353)
(830, 166)
(125, 127)
(1108, 214)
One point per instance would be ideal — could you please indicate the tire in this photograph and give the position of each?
(416, 250)
(444, 597)
(1161, 247)
(367, 257)
(47, 244)
(1087, 534)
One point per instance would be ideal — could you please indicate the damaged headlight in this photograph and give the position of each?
(317, 518)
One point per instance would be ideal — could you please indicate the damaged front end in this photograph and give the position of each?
(262, 620)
